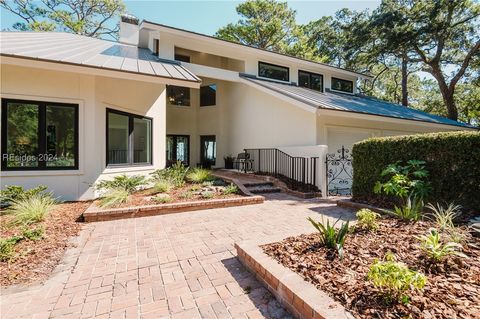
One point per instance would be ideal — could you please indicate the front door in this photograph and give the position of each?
(178, 149)
(208, 150)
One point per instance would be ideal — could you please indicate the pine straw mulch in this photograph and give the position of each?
(177, 195)
(452, 290)
(35, 260)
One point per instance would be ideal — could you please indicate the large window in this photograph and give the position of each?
(310, 80)
(39, 135)
(272, 71)
(208, 95)
(208, 150)
(178, 149)
(182, 58)
(129, 139)
(342, 85)
(178, 95)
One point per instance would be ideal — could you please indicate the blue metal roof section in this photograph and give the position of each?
(352, 103)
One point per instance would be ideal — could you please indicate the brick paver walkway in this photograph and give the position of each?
(172, 266)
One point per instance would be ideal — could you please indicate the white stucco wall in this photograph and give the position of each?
(93, 94)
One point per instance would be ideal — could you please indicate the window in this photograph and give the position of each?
(272, 71)
(178, 149)
(129, 139)
(156, 46)
(182, 58)
(208, 95)
(39, 135)
(342, 85)
(208, 150)
(310, 80)
(178, 95)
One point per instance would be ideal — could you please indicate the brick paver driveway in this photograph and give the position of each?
(171, 266)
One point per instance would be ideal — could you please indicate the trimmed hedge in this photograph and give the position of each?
(452, 159)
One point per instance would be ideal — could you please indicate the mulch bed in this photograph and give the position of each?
(145, 197)
(35, 260)
(452, 290)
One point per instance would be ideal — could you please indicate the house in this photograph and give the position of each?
(76, 110)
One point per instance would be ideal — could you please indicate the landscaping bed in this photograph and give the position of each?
(452, 288)
(39, 246)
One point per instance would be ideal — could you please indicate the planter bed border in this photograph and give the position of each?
(95, 214)
(301, 298)
(348, 203)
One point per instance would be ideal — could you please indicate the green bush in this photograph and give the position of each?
(444, 216)
(162, 198)
(330, 236)
(31, 210)
(114, 197)
(162, 187)
(34, 234)
(207, 194)
(435, 249)
(395, 278)
(175, 175)
(411, 209)
(367, 219)
(122, 182)
(14, 193)
(7, 247)
(199, 175)
(451, 159)
(230, 189)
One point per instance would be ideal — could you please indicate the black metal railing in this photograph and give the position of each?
(299, 173)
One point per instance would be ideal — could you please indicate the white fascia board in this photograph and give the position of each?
(242, 50)
(387, 119)
(54, 66)
(297, 103)
(211, 72)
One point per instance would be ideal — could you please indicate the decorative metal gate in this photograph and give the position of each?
(339, 173)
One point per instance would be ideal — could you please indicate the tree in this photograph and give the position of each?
(439, 35)
(265, 24)
(86, 17)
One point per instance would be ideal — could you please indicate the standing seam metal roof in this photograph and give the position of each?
(352, 103)
(86, 51)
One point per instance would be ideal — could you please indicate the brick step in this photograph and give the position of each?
(264, 190)
(258, 184)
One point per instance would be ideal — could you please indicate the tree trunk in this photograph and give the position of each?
(447, 93)
(404, 79)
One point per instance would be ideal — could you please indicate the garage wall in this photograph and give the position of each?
(93, 95)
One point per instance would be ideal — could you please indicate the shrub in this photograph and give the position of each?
(162, 187)
(114, 197)
(367, 219)
(7, 247)
(410, 211)
(330, 237)
(199, 175)
(230, 189)
(31, 209)
(13, 193)
(195, 187)
(186, 195)
(207, 194)
(162, 198)
(395, 278)
(435, 249)
(175, 174)
(122, 182)
(451, 158)
(34, 234)
(444, 216)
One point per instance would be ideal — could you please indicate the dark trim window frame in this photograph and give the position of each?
(182, 58)
(156, 46)
(178, 96)
(131, 136)
(208, 95)
(265, 64)
(310, 80)
(42, 136)
(342, 83)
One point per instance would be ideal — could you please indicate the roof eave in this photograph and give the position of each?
(94, 70)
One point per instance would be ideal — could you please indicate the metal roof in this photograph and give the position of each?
(73, 49)
(352, 103)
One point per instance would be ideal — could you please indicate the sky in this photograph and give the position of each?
(208, 16)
